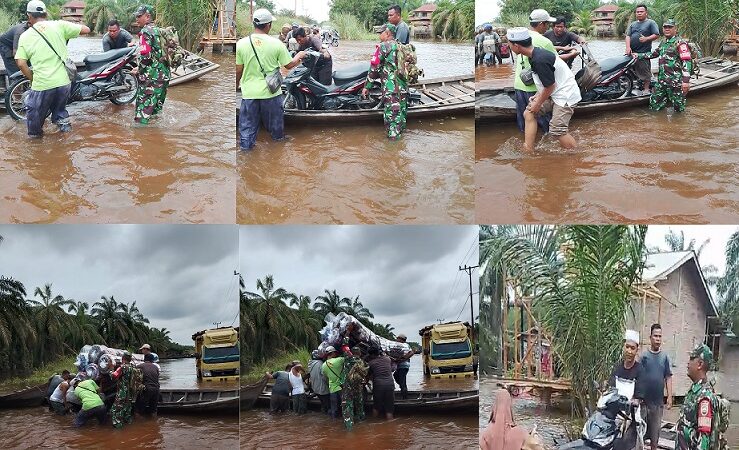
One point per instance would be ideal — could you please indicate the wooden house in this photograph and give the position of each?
(603, 18)
(420, 20)
(74, 11)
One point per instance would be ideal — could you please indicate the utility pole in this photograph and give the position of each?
(468, 269)
(251, 11)
(217, 324)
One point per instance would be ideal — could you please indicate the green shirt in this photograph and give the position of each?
(522, 62)
(87, 393)
(272, 54)
(48, 69)
(333, 368)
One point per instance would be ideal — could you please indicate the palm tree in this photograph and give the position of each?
(454, 19)
(580, 279)
(358, 310)
(676, 243)
(385, 331)
(52, 322)
(99, 12)
(14, 313)
(705, 22)
(728, 285)
(332, 303)
(583, 23)
(111, 323)
(86, 330)
(135, 321)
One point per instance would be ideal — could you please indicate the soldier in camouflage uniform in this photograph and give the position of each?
(153, 70)
(675, 66)
(384, 71)
(352, 390)
(697, 427)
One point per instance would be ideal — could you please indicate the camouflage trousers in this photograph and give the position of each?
(150, 95)
(394, 115)
(667, 91)
(352, 406)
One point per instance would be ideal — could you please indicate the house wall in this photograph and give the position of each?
(683, 322)
(727, 378)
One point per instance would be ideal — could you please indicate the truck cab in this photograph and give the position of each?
(447, 350)
(217, 354)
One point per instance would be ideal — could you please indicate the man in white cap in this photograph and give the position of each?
(557, 90)
(404, 365)
(146, 349)
(257, 56)
(539, 20)
(44, 46)
(628, 368)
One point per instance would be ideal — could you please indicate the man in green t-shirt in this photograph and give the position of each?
(258, 103)
(539, 21)
(44, 46)
(92, 405)
(333, 368)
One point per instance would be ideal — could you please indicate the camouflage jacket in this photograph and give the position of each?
(696, 427)
(356, 373)
(154, 62)
(672, 69)
(386, 72)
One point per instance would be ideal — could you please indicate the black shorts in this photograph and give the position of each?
(383, 399)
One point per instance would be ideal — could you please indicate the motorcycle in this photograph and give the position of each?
(106, 76)
(616, 424)
(330, 38)
(302, 91)
(614, 80)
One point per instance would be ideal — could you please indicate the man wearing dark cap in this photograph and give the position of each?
(153, 70)
(696, 428)
(147, 400)
(675, 68)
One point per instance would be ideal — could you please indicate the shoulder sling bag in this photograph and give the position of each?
(68, 64)
(273, 79)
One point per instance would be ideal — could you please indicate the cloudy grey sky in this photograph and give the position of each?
(714, 250)
(318, 9)
(406, 275)
(181, 276)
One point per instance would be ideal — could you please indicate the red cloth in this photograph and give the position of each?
(145, 47)
(502, 432)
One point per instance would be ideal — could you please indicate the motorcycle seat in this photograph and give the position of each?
(104, 57)
(345, 75)
(612, 64)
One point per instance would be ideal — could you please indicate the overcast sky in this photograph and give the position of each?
(181, 276)
(317, 9)
(407, 276)
(714, 250)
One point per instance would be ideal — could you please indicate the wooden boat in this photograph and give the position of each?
(439, 97)
(249, 394)
(25, 397)
(497, 104)
(464, 402)
(198, 400)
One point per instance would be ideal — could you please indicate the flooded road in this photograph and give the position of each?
(351, 173)
(630, 166)
(179, 169)
(182, 374)
(38, 428)
(259, 429)
(527, 411)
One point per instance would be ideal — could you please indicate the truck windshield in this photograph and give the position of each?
(220, 354)
(451, 350)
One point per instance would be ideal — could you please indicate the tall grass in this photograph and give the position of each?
(350, 28)
(256, 372)
(189, 17)
(39, 375)
(7, 20)
(515, 19)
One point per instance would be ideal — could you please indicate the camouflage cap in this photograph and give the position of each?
(392, 28)
(704, 353)
(144, 9)
(669, 23)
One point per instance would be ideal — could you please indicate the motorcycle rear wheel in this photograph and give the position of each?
(15, 98)
(127, 96)
(294, 101)
(624, 85)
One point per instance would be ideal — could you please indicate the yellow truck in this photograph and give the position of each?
(217, 354)
(447, 350)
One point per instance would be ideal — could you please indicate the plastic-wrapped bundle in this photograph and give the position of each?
(344, 326)
(107, 362)
(92, 372)
(94, 354)
(81, 362)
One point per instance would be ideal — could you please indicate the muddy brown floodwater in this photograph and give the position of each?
(351, 173)
(630, 166)
(259, 429)
(179, 169)
(38, 428)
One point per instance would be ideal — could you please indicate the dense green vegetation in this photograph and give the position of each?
(44, 327)
(275, 321)
(454, 19)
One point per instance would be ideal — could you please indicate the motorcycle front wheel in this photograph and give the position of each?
(124, 97)
(621, 87)
(15, 98)
(294, 101)
(335, 42)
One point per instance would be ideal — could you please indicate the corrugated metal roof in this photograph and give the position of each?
(659, 265)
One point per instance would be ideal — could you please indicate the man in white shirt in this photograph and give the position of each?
(557, 90)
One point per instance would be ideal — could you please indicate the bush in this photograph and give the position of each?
(350, 28)
(6, 21)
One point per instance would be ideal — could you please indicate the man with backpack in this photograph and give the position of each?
(44, 46)
(154, 71)
(675, 68)
(386, 70)
(703, 416)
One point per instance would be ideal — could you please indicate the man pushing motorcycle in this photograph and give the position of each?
(44, 46)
